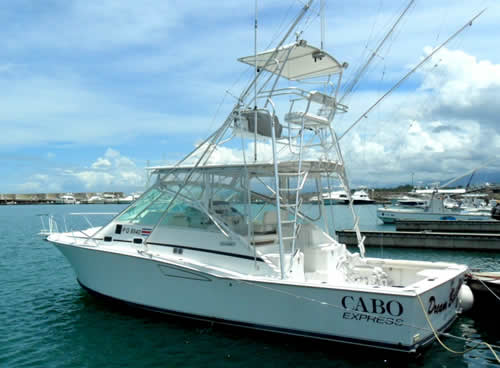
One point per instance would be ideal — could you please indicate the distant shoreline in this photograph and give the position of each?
(68, 198)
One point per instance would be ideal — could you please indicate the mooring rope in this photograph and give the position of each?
(436, 335)
(484, 284)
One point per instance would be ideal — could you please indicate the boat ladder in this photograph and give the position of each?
(291, 203)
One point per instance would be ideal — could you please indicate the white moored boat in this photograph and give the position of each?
(67, 198)
(331, 197)
(229, 242)
(340, 197)
(361, 197)
(435, 210)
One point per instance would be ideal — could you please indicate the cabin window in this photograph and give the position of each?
(183, 215)
(140, 205)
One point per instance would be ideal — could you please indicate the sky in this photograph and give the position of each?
(95, 91)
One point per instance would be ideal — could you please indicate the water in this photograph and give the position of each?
(47, 320)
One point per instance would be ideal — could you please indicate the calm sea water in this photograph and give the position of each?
(47, 320)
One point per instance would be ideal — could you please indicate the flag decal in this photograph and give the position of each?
(146, 231)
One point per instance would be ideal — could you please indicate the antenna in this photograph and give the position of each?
(255, 84)
(322, 12)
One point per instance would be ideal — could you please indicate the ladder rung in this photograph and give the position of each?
(287, 221)
(292, 174)
(289, 189)
(289, 237)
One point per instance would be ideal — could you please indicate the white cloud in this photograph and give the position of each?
(38, 183)
(94, 180)
(112, 171)
(447, 129)
(112, 154)
(101, 163)
(113, 72)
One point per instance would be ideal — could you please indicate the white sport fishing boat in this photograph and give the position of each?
(331, 197)
(340, 197)
(435, 210)
(362, 197)
(231, 242)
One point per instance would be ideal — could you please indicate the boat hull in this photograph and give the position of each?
(486, 290)
(363, 201)
(328, 201)
(380, 320)
(390, 216)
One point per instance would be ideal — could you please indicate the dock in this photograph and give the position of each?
(481, 227)
(424, 239)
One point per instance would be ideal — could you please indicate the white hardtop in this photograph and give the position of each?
(296, 61)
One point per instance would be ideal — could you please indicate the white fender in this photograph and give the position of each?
(465, 298)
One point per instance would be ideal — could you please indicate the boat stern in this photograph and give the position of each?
(437, 304)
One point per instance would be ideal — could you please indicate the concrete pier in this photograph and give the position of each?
(481, 227)
(424, 239)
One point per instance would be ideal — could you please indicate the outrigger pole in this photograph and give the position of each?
(358, 76)
(468, 24)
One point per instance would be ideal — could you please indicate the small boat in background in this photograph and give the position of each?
(485, 287)
(95, 199)
(361, 197)
(495, 211)
(340, 197)
(67, 198)
(434, 210)
(333, 197)
(410, 202)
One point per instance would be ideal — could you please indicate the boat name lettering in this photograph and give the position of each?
(131, 230)
(376, 306)
(436, 308)
(374, 319)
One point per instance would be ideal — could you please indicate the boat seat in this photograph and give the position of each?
(264, 239)
(266, 232)
(327, 104)
(264, 123)
(268, 224)
(310, 120)
(322, 99)
(177, 220)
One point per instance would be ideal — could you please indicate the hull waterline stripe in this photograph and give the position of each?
(373, 344)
